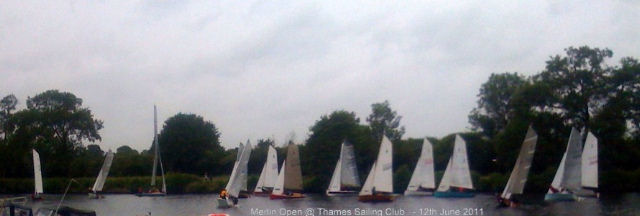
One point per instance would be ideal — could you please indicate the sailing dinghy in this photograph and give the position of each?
(234, 185)
(572, 180)
(244, 192)
(102, 176)
(589, 168)
(289, 182)
(379, 184)
(520, 171)
(37, 176)
(423, 180)
(269, 174)
(156, 160)
(345, 179)
(456, 180)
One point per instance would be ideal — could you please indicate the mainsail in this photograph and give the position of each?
(235, 180)
(104, 172)
(520, 171)
(269, 173)
(156, 158)
(380, 177)
(457, 173)
(423, 174)
(278, 188)
(244, 175)
(568, 175)
(292, 170)
(590, 162)
(37, 172)
(345, 175)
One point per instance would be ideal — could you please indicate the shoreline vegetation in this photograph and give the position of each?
(580, 89)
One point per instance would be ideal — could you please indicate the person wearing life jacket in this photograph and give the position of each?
(223, 194)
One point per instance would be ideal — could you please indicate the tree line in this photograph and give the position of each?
(577, 89)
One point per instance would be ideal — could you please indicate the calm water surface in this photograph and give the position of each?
(482, 204)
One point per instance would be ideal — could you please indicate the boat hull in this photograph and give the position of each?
(151, 194)
(558, 197)
(95, 196)
(341, 193)
(284, 196)
(418, 193)
(223, 203)
(244, 194)
(453, 194)
(376, 198)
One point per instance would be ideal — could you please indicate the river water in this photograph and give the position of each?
(319, 205)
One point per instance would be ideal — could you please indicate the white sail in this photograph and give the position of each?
(334, 185)
(234, 185)
(423, 175)
(446, 179)
(380, 177)
(590, 162)
(367, 188)
(271, 175)
(461, 175)
(348, 167)
(104, 172)
(557, 179)
(572, 168)
(155, 144)
(520, 171)
(260, 183)
(278, 188)
(37, 172)
(383, 177)
(244, 175)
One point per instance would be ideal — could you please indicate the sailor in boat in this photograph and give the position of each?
(225, 195)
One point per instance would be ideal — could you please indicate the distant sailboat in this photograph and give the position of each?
(234, 185)
(379, 184)
(37, 175)
(456, 181)
(423, 179)
(269, 174)
(289, 182)
(156, 160)
(520, 171)
(345, 179)
(102, 176)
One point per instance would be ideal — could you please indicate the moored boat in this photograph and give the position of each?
(156, 160)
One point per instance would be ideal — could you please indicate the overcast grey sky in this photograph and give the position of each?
(258, 69)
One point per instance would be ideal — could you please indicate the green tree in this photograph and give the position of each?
(384, 120)
(577, 80)
(495, 106)
(189, 144)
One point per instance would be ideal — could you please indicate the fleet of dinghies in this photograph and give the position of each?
(575, 178)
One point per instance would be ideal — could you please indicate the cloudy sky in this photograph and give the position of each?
(258, 69)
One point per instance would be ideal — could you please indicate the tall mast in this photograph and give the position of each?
(155, 145)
